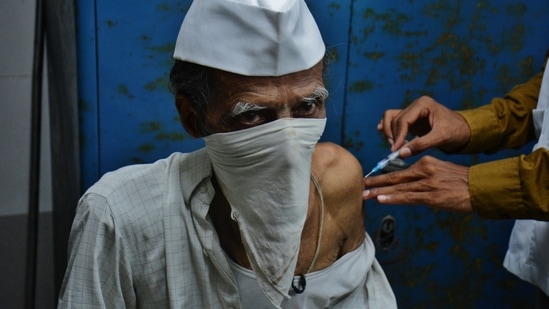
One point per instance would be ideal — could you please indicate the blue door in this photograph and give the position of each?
(385, 54)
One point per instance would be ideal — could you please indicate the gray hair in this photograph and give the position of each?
(196, 82)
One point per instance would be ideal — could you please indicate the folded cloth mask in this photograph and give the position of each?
(264, 173)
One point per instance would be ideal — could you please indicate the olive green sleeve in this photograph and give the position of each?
(505, 122)
(516, 187)
(512, 188)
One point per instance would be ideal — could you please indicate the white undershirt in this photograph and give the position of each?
(341, 285)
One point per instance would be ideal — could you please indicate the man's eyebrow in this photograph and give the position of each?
(319, 94)
(244, 107)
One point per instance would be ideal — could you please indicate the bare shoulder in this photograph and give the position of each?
(336, 169)
(330, 155)
(339, 174)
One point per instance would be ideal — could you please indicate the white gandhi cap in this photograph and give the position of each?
(250, 37)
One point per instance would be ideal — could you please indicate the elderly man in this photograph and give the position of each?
(262, 217)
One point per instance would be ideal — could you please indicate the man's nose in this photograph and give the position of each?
(284, 112)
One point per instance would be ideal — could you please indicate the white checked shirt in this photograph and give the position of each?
(141, 238)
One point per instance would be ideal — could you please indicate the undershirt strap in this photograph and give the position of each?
(321, 219)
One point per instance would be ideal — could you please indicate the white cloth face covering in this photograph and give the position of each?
(264, 173)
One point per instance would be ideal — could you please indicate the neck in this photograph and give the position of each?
(227, 228)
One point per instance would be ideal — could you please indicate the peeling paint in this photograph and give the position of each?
(171, 136)
(160, 134)
(110, 23)
(146, 148)
(374, 55)
(335, 6)
(353, 143)
(159, 83)
(148, 127)
(163, 7)
(137, 160)
(167, 48)
(123, 89)
(361, 86)
(516, 9)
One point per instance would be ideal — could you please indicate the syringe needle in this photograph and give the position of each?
(370, 173)
(383, 163)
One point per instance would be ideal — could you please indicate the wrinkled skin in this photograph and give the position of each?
(432, 182)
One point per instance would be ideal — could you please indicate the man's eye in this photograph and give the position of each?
(250, 118)
(308, 106)
(305, 109)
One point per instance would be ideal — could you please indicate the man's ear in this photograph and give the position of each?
(188, 116)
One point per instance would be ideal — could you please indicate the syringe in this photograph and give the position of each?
(383, 163)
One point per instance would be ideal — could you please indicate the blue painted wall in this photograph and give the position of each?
(386, 53)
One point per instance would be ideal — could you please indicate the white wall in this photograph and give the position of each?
(16, 54)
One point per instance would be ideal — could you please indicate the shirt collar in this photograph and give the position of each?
(195, 182)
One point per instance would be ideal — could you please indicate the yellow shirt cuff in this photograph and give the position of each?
(495, 189)
(484, 129)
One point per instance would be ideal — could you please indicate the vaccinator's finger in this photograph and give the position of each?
(391, 178)
(384, 125)
(406, 198)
